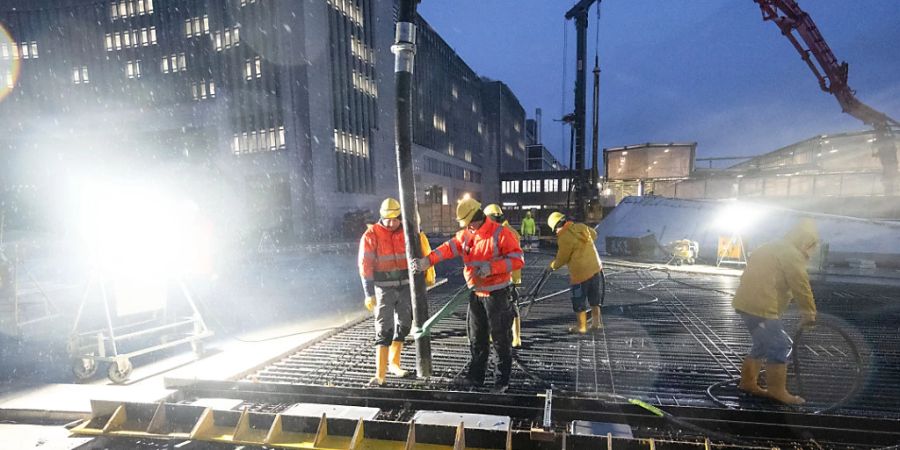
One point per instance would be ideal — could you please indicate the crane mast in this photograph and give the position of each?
(796, 25)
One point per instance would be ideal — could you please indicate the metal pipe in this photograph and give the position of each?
(404, 50)
(581, 25)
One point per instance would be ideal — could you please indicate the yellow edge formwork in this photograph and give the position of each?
(134, 420)
(166, 421)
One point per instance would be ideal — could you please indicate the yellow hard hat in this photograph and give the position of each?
(466, 210)
(390, 208)
(493, 210)
(555, 219)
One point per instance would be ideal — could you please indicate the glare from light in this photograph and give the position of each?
(9, 66)
(134, 233)
(737, 217)
(466, 196)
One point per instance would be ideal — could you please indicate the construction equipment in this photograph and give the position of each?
(796, 25)
(683, 251)
(153, 324)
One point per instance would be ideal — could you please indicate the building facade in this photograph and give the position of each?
(284, 109)
(539, 158)
(504, 129)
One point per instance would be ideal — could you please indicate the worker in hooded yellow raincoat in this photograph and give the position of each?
(775, 276)
(576, 250)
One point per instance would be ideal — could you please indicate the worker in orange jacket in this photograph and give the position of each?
(385, 280)
(490, 253)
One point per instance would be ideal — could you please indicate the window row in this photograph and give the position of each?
(9, 81)
(228, 38)
(175, 62)
(19, 50)
(364, 84)
(451, 170)
(80, 75)
(256, 141)
(349, 9)
(129, 8)
(196, 26)
(362, 51)
(203, 90)
(350, 144)
(253, 68)
(133, 69)
(142, 37)
(528, 186)
(247, 2)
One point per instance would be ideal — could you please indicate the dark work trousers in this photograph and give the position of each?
(490, 318)
(393, 314)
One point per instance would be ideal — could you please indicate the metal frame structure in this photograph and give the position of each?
(87, 348)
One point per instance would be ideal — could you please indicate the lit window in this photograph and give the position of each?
(122, 11)
(10, 83)
(165, 64)
(145, 40)
(152, 33)
(182, 62)
(34, 50)
(118, 41)
(80, 75)
(455, 92)
(133, 69)
(217, 37)
(24, 51)
(126, 39)
(205, 24)
(212, 89)
(4, 51)
(468, 155)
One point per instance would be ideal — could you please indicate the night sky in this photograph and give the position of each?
(709, 71)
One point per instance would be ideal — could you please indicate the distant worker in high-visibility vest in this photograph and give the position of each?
(775, 276)
(385, 280)
(529, 230)
(490, 253)
(494, 212)
(577, 250)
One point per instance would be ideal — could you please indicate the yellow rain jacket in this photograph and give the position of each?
(426, 249)
(776, 274)
(516, 274)
(576, 248)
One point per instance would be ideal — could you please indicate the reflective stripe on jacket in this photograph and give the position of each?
(776, 273)
(382, 258)
(492, 245)
(577, 250)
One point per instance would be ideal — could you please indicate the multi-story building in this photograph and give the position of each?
(283, 101)
(504, 129)
(284, 109)
(448, 130)
(539, 158)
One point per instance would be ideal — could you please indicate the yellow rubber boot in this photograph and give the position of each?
(517, 332)
(581, 327)
(596, 318)
(750, 377)
(394, 366)
(381, 362)
(776, 378)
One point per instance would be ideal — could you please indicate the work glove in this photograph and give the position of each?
(421, 264)
(370, 303)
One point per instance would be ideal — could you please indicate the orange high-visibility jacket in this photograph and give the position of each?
(492, 245)
(382, 258)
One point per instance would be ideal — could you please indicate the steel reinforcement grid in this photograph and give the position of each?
(668, 338)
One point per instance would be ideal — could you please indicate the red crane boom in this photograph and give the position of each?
(797, 26)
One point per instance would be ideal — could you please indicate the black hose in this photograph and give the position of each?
(854, 350)
(798, 369)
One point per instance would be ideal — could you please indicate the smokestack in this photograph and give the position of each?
(537, 126)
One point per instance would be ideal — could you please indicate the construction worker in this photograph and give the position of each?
(490, 253)
(577, 250)
(775, 273)
(529, 229)
(494, 212)
(385, 280)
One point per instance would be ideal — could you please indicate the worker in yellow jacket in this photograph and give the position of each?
(576, 249)
(494, 212)
(775, 276)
